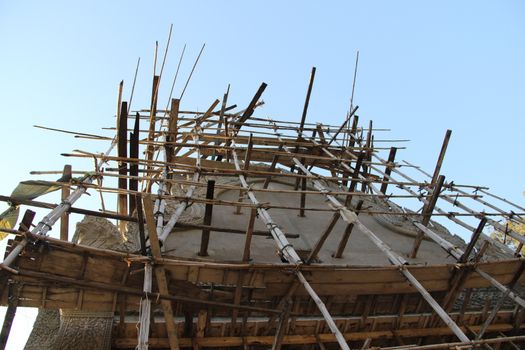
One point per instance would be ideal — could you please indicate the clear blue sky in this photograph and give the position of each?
(424, 67)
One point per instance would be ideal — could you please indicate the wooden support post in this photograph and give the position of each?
(388, 170)
(64, 219)
(236, 301)
(355, 177)
(275, 159)
(249, 234)
(160, 274)
(12, 304)
(302, 203)
(427, 213)
(348, 230)
(134, 165)
(172, 129)
(353, 131)
(279, 334)
(122, 150)
(441, 157)
(307, 99)
(322, 239)
(245, 116)
(368, 155)
(208, 212)
(473, 240)
(145, 310)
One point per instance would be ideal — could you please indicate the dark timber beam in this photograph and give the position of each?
(208, 212)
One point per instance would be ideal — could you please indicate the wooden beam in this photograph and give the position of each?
(281, 327)
(172, 129)
(208, 212)
(249, 234)
(475, 235)
(348, 230)
(134, 166)
(122, 151)
(246, 167)
(323, 238)
(64, 219)
(275, 159)
(441, 157)
(14, 291)
(160, 273)
(427, 213)
(388, 169)
(307, 99)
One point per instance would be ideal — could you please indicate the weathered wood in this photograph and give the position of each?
(346, 235)
(172, 129)
(388, 169)
(122, 151)
(249, 234)
(64, 220)
(281, 327)
(208, 213)
(475, 236)
(275, 159)
(160, 274)
(441, 157)
(307, 99)
(133, 166)
(322, 239)
(247, 158)
(427, 213)
(14, 290)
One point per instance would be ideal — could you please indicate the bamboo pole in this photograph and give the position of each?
(393, 257)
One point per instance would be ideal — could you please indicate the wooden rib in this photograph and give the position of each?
(160, 274)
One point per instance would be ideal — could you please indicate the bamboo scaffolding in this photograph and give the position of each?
(393, 257)
(290, 255)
